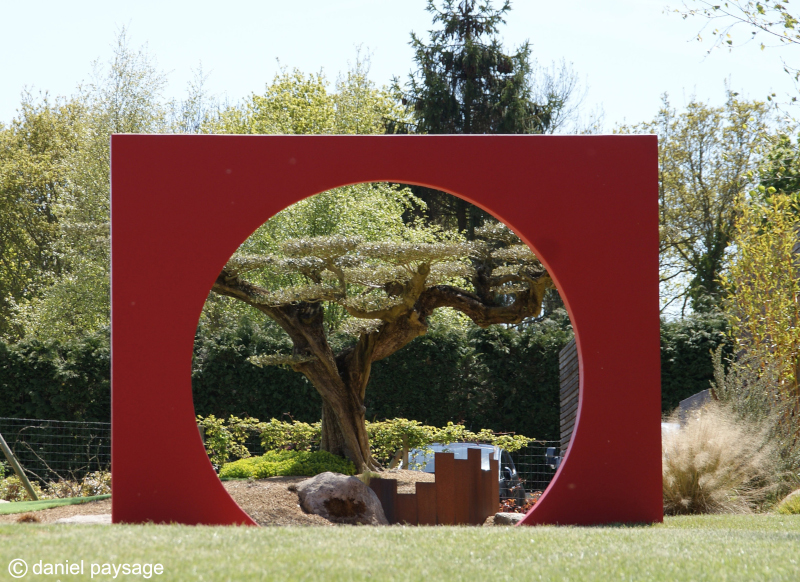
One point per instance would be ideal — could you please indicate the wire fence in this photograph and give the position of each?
(52, 450)
(534, 466)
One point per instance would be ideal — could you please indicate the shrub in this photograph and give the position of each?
(275, 463)
(226, 439)
(686, 363)
(95, 483)
(716, 463)
(790, 505)
(11, 489)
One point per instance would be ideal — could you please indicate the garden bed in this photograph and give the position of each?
(267, 501)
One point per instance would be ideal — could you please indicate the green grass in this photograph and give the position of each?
(747, 548)
(25, 506)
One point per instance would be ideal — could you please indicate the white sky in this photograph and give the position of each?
(628, 51)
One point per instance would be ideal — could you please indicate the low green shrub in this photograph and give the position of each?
(790, 505)
(277, 463)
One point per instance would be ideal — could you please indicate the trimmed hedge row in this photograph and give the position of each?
(686, 347)
(57, 381)
(497, 378)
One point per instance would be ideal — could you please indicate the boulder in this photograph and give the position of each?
(341, 499)
(507, 518)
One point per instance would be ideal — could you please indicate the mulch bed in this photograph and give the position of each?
(268, 501)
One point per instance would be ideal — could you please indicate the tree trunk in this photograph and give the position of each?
(344, 430)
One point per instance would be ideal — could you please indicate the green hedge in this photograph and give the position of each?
(686, 347)
(224, 383)
(504, 379)
(496, 378)
(57, 381)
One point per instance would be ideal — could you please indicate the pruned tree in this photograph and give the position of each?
(388, 291)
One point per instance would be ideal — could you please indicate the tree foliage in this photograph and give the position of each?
(465, 83)
(707, 158)
(124, 96)
(35, 150)
(773, 18)
(298, 104)
(764, 290)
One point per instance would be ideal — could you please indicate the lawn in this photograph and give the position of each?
(762, 547)
(23, 506)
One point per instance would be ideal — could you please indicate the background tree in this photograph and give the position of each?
(34, 153)
(123, 97)
(466, 83)
(707, 158)
(388, 290)
(762, 303)
(772, 19)
(294, 103)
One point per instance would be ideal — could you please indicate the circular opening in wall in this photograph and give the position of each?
(358, 321)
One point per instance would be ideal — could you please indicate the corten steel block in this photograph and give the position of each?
(406, 508)
(494, 495)
(386, 490)
(487, 506)
(586, 205)
(426, 503)
(445, 488)
(461, 478)
(474, 486)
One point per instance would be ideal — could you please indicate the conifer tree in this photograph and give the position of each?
(465, 83)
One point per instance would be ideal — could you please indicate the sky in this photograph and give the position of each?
(627, 53)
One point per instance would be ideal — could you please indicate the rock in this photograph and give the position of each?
(508, 518)
(103, 518)
(341, 499)
(4, 501)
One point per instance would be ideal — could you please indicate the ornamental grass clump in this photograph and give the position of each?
(717, 463)
(790, 504)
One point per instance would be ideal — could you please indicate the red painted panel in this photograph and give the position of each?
(586, 205)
